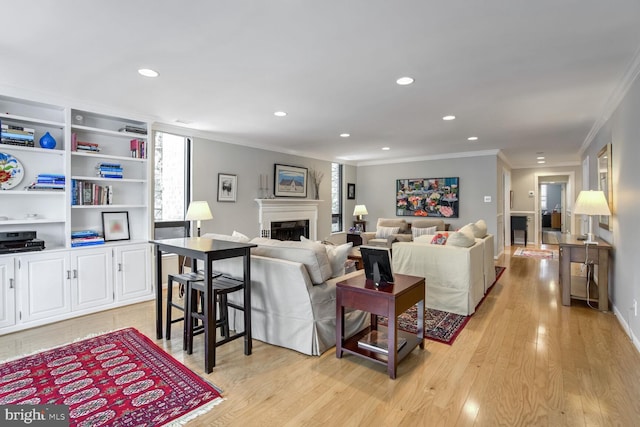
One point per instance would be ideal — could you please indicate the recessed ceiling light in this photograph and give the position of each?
(147, 72)
(403, 81)
(473, 138)
(450, 117)
(541, 162)
(280, 113)
(345, 135)
(386, 148)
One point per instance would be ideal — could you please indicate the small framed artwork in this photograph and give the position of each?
(227, 187)
(351, 191)
(115, 226)
(289, 181)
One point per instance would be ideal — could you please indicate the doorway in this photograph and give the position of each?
(553, 205)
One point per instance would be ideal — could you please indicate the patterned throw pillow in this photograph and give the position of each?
(384, 232)
(440, 239)
(417, 232)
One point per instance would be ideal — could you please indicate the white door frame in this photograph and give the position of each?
(570, 196)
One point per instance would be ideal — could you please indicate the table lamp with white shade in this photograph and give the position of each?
(359, 211)
(198, 210)
(591, 202)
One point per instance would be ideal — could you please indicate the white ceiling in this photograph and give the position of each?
(525, 76)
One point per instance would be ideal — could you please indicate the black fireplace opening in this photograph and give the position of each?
(290, 230)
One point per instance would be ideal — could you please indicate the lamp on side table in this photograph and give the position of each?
(358, 212)
(591, 203)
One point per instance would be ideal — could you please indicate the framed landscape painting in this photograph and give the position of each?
(290, 181)
(432, 197)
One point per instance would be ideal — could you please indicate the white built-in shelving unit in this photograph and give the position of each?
(64, 281)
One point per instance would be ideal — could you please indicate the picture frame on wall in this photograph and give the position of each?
(290, 181)
(115, 226)
(428, 197)
(351, 191)
(227, 187)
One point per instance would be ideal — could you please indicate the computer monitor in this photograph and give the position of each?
(377, 264)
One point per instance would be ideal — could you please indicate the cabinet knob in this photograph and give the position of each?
(68, 274)
(75, 274)
(11, 283)
(119, 266)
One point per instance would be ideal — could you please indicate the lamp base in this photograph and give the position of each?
(590, 240)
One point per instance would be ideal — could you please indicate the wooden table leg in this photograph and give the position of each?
(339, 323)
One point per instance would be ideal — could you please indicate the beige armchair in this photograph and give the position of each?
(381, 238)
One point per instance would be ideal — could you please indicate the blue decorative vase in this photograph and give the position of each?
(47, 141)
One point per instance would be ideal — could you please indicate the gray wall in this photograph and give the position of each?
(212, 157)
(623, 132)
(478, 177)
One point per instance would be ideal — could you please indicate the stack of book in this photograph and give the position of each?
(109, 170)
(16, 135)
(89, 193)
(83, 146)
(86, 238)
(48, 181)
(378, 341)
(133, 129)
(138, 149)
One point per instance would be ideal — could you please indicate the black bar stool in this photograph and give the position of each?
(183, 279)
(221, 287)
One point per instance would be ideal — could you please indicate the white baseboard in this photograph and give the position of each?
(625, 325)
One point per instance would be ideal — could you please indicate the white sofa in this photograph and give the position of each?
(287, 308)
(454, 275)
(479, 231)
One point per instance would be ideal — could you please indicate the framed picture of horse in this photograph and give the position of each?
(227, 187)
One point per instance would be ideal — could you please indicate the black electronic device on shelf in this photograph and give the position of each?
(19, 241)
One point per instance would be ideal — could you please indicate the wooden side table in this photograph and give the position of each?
(391, 301)
(573, 250)
(354, 238)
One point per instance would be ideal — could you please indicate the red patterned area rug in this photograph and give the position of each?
(440, 326)
(120, 378)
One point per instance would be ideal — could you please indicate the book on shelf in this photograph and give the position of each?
(89, 193)
(138, 149)
(84, 233)
(19, 143)
(378, 341)
(87, 241)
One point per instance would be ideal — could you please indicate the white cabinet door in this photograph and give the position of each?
(92, 278)
(133, 272)
(8, 293)
(44, 285)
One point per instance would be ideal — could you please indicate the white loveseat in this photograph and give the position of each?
(454, 275)
(287, 308)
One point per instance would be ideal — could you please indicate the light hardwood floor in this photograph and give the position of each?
(522, 360)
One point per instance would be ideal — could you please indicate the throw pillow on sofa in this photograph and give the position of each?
(384, 232)
(481, 229)
(417, 232)
(337, 255)
(313, 255)
(440, 239)
(462, 240)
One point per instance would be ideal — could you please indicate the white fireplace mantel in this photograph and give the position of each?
(272, 210)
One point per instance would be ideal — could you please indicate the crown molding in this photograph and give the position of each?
(614, 100)
(431, 157)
